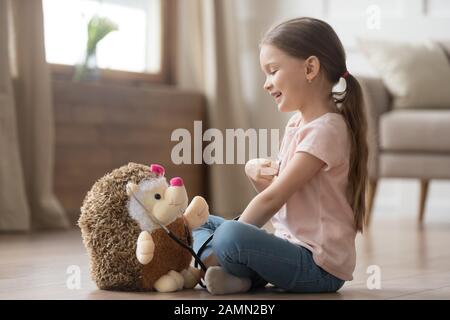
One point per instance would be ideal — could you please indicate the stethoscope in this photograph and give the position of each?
(196, 256)
(186, 246)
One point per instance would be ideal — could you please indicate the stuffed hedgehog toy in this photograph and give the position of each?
(120, 226)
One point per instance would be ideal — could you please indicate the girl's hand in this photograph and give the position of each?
(261, 172)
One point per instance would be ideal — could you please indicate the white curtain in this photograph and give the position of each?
(208, 61)
(27, 200)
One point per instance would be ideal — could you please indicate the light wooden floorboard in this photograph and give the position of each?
(414, 264)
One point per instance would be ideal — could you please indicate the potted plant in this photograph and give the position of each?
(97, 29)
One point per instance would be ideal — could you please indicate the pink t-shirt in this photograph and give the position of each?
(318, 216)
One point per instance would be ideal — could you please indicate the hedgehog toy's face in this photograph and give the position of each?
(165, 202)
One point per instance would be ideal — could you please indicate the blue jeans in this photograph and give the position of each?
(247, 251)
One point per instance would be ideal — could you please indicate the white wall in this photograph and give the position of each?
(404, 20)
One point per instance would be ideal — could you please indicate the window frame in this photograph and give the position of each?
(166, 76)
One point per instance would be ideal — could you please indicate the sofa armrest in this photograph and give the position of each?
(377, 101)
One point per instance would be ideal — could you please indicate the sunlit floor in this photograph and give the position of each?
(413, 263)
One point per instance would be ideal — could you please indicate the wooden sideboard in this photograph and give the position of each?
(102, 127)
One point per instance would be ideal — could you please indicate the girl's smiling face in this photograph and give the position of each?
(285, 78)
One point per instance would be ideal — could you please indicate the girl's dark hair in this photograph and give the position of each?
(305, 37)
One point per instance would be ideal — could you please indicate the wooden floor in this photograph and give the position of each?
(414, 264)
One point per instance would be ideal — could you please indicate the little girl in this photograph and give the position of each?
(316, 201)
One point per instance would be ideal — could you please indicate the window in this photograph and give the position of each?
(138, 50)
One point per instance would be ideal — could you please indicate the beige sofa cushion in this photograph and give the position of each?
(414, 165)
(415, 130)
(416, 74)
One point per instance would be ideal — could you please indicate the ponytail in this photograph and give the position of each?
(353, 111)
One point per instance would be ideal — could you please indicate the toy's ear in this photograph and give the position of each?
(132, 188)
(157, 169)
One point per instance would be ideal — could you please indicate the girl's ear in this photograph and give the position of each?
(312, 67)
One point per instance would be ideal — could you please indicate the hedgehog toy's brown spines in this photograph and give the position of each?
(109, 233)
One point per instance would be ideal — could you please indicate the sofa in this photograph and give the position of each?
(408, 112)
(409, 143)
